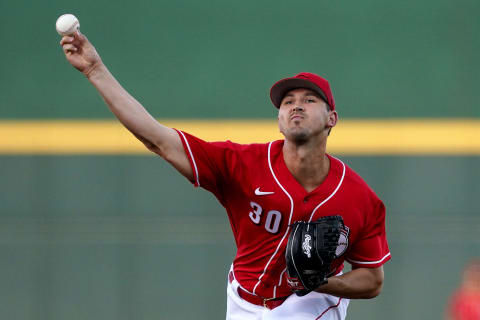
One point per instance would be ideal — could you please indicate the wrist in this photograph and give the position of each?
(322, 288)
(331, 286)
(95, 70)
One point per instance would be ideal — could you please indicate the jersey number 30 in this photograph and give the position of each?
(272, 222)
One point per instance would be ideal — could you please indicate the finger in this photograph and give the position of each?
(69, 48)
(66, 39)
(79, 36)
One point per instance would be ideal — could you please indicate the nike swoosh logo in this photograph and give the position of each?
(262, 193)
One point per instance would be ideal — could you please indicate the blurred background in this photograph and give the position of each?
(88, 230)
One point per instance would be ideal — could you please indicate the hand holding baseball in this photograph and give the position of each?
(80, 53)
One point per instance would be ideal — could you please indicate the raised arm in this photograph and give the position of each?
(158, 138)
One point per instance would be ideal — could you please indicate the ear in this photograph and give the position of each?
(332, 119)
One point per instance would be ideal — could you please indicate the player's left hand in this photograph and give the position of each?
(310, 253)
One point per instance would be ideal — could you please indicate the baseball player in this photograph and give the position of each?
(464, 303)
(264, 189)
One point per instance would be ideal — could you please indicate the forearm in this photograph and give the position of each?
(126, 108)
(158, 138)
(359, 283)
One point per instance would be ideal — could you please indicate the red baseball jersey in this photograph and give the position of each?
(262, 198)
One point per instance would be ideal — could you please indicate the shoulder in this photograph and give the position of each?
(250, 147)
(225, 145)
(355, 185)
(253, 149)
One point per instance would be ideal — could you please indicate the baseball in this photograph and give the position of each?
(67, 24)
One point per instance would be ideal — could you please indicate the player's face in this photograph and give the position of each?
(303, 114)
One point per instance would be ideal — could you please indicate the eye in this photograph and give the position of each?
(311, 100)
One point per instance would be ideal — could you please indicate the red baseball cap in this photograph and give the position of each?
(302, 80)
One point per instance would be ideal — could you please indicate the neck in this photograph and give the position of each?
(308, 163)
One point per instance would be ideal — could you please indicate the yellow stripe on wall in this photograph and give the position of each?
(355, 137)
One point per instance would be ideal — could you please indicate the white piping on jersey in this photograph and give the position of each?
(289, 219)
(279, 283)
(239, 285)
(333, 193)
(191, 156)
(371, 262)
(281, 277)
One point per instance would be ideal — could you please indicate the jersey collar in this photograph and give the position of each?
(292, 186)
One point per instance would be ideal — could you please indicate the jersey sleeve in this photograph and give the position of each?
(371, 249)
(212, 162)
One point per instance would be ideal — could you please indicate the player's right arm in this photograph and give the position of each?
(158, 138)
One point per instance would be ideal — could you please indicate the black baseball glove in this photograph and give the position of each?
(310, 252)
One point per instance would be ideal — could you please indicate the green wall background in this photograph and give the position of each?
(204, 59)
(125, 237)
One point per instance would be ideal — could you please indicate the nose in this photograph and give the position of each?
(298, 108)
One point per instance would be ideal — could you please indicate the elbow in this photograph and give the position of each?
(376, 283)
(375, 290)
(374, 293)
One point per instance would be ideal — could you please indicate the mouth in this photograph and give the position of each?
(296, 117)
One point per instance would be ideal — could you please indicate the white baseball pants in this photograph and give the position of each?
(313, 306)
